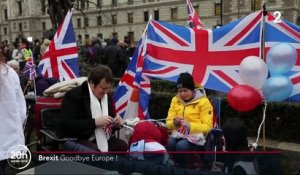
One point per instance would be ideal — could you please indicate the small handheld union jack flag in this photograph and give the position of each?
(29, 69)
(193, 18)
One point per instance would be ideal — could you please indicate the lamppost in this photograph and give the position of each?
(220, 4)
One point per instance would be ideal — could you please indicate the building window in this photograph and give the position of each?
(77, 3)
(130, 2)
(114, 19)
(99, 20)
(114, 3)
(100, 36)
(174, 13)
(87, 4)
(5, 14)
(146, 16)
(79, 39)
(86, 22)
(115, 34)
(99, 3)
(43, 4)
(255, 5)
(82, 4)
(150, 0)
(14, 26)
(218, 9)
(131, 36)
(130, 17)
(5, 30)
(87, 36)
(20, 27)
(156, 15)
(79, 23)
(44, 25)
(20, 7)
(25, 25)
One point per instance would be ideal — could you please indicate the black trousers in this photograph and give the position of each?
(2, 167)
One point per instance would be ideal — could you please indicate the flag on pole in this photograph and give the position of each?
(193, 18)
(29, 69)
(133, 92)
(60, 60)
(213, 56)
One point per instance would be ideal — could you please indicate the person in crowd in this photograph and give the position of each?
(16, 66)
(18, 55)
(90, 52)
(26, 49)
(36, 51)
(7, 53)
(130, 49)
(190, 116)
(13, 112)
(96, 43)
(114, 58)
(44, 46)
(88, 111)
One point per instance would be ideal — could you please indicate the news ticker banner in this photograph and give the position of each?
(28, 162)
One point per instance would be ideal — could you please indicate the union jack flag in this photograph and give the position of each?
(60, 59)
(133, 79)
(213, 56)
(193, 18)
(29, 69)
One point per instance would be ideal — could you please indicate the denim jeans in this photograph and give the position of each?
(175, 144)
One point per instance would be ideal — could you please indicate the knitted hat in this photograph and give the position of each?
(185, 80)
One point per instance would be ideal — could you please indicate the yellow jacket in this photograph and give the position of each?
(198, 112)
(27, 53)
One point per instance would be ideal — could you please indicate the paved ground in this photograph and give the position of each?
(290, 156)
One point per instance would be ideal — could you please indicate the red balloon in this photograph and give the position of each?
(243, 98)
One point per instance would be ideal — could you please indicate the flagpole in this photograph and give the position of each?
(262, 55)
(34, 89)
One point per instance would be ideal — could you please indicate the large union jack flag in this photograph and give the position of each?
(61, 58)
(213, 56)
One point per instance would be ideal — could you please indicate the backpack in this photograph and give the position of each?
(215, 141)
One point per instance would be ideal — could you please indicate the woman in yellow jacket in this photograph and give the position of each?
(190, 117)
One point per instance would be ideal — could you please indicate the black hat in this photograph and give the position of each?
(185, 80)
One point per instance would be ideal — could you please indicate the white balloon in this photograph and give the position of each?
(253, 71)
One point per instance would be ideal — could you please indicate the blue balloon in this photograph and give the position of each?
(281, 58)
(277, 88)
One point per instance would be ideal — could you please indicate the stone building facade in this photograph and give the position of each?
(128, 18)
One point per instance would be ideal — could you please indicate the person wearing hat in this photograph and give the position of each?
(190, 117)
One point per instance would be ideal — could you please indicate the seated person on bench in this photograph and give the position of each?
(190, 117)
(88, 111)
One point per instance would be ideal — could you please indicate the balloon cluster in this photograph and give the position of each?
(281, 58)
(254, 73)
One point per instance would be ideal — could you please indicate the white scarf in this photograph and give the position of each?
(99, 111)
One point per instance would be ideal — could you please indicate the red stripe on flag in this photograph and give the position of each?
(245, 30)
(167, 32)
(295, 80)
(226, 78)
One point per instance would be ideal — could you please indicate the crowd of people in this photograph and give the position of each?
(113, 53)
